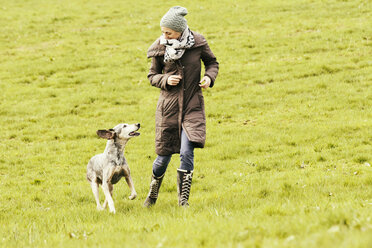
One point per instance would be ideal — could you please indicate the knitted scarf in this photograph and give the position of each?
(174, 49)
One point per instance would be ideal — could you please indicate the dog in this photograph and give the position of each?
(107, 168)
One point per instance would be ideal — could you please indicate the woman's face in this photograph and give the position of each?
(170, 33)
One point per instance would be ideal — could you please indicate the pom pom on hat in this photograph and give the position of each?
(174, 19)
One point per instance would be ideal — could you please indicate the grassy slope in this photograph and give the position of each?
(294, 91)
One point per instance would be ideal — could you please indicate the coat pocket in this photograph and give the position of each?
(201, 102)
(195, 104)
(159, 110)
(170, 106)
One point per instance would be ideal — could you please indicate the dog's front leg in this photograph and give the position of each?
(111, 187)
(128, 178)
(110, 202)
(107, 175)
(94, 186)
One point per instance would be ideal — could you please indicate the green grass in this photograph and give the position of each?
(289, 141)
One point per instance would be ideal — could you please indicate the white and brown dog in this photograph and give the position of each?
(107, 168)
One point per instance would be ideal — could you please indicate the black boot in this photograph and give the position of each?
(184, 179)
(154, 191)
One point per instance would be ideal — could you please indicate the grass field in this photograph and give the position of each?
(288, 157)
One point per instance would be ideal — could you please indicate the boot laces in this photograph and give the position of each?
(154, 188)
(185, 191)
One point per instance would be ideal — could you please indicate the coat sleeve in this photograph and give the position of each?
(156, 76)
(210, 63)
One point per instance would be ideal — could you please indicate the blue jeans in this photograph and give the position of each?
(186, 155)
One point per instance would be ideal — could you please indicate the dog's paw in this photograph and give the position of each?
(100, 208)
(132, 196)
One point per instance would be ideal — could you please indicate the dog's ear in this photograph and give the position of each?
(106, 134)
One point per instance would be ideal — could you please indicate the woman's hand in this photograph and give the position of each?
(174, 80)
(207, 82)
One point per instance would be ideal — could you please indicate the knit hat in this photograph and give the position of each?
(174, 19)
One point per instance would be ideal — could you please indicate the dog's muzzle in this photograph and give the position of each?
(134, 133)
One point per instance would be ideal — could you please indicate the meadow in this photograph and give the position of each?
(287, 161)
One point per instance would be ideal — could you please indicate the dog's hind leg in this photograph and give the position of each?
(94, 186)
(128, 179)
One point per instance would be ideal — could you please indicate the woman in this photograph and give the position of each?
(180, 118)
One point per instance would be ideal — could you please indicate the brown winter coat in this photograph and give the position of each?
(180, 106)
